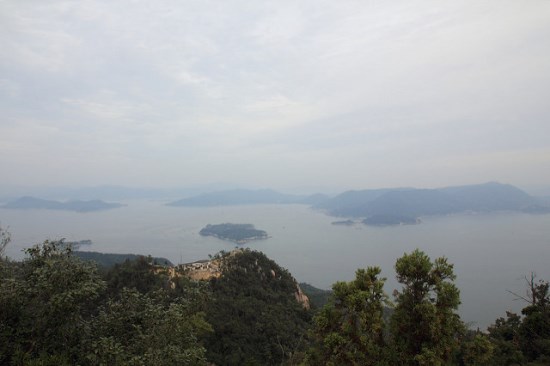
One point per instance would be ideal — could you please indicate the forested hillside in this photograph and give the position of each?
(59, 310)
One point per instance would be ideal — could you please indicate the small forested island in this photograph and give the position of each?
(238, 233)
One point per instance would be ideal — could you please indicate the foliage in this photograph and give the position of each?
(535, 327)
(45, 304)
(108, 260)
(145, 329)
(135, 274)
(5, 239)
(317, 297)
(254, 312)
(55, 311)
(505, 337)
(58, 310)
(476, 349)
(525, 340)
(350, 328)
(425, 324)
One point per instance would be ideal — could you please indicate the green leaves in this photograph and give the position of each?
(54, 311)
(254, 312)
(425, 325)
(138, 329)
(349, 329)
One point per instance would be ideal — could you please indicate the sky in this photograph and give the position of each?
(279, 94)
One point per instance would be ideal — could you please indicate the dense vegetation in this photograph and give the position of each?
(239, 233)
(56, 309)
(254, 313)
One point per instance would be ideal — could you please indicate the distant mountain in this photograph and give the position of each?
(245, 197)
(411, 203)
(350, 203)
(25, 203)
(108, 192)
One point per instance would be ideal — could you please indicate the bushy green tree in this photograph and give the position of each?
(476, 349)
(534, 330)
(525, 340)
(505, 337)
(136, 274)
(147, 329)
(425, 324)
(349, 330)
(45, 303)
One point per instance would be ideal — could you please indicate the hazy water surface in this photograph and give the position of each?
(491, 253)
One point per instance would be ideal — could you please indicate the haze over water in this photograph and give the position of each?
(491, 252)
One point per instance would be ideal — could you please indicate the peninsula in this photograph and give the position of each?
(237, 233)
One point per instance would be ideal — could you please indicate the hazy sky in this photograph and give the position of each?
(354, 94)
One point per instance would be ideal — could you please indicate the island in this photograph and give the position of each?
(237, 233)
(344, 222)
(28, 203)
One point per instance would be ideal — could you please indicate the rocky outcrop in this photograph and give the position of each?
(301, 297)
(204, 270)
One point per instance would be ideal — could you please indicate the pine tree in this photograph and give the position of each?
(349, 330)
(425, 324)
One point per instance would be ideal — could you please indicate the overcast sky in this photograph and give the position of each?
(280, 94)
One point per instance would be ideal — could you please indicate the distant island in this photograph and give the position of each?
(28, 203)
(246, 197)
(404, 206)
(343, 223)
(237, 233)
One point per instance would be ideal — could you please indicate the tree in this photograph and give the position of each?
(425, 324)
(476, 349)
(505, 337)
(136, 274)
(147, 329)
(350, 328)
(45, 303)
(535, 328)
(254, 312)
(5, 239)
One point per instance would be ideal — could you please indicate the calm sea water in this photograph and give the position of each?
(492, 253)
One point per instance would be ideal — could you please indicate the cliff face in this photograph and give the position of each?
(202, 270)
(301, 297)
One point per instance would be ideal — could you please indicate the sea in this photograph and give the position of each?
(492, 253)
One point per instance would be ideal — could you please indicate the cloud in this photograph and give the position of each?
(290, 89)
